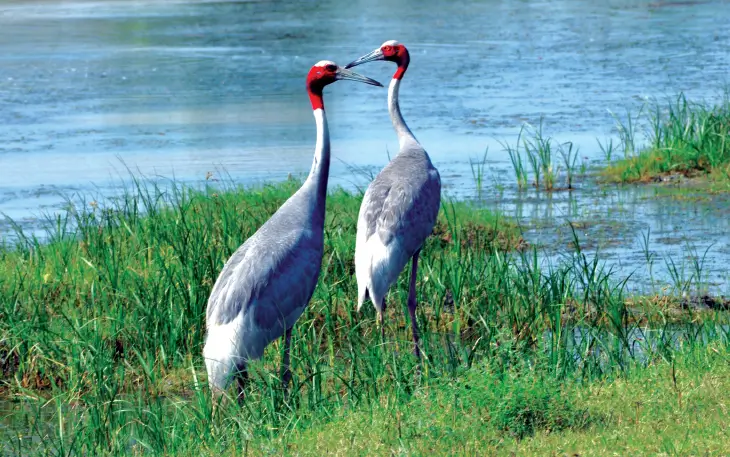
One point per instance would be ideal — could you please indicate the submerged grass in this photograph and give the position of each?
(541, 154)
(687, 138)
(102, 326)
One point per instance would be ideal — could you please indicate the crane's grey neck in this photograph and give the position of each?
(404, 133)
(321, 163)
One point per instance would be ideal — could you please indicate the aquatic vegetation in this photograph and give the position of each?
(102, 332)
(607, 149)
(627, 132)
(516, 159)
(540, 156)
(684, 138)
(569, 157)
(478, 170)
(540, 153)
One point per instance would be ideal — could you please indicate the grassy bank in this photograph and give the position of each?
(674, 408)
(685, 139)
(102, 328)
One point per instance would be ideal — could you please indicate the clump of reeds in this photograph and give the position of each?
(540, 154)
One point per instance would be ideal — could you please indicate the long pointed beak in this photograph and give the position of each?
(352, 76)
(375, 55)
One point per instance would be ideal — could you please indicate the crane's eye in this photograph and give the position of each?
(331, 67)
(387, 49)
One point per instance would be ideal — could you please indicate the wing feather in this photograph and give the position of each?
(274, 282)
(397, 214)
(408, 210)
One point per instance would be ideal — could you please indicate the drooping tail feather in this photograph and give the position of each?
(362, 295)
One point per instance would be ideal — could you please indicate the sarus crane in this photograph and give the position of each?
(268, 281)
(399, 208)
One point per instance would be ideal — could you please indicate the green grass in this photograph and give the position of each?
(662, 409)
(691, 139)
(102, 325)
(545, 157)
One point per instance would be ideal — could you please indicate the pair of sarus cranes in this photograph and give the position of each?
(267, 283)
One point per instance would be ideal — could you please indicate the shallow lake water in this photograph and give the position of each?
(183, 88)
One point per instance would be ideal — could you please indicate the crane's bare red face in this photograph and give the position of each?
(326, 72)
(394, 53)
(320, 75)
(391, 51)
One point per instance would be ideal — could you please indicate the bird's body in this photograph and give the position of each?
(399, 208)
(267, 283)
(397, 214)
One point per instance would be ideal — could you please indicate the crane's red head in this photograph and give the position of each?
(326, 72)
(391, 51)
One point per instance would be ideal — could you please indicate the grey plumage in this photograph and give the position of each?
(399, 208)
(265, 286)
(267, 283)
(272, 276)
(402, 202)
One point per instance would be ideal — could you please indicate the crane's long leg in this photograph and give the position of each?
(242, 381)
(412, 303)
(286, 373)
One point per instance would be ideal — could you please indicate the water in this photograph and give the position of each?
(184, 88)
(24, 426)
(666, 240)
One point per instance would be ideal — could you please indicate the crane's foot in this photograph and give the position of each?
(412, 304)
(414, 329)
(286, 379)
(241, 383)
(416, 341)
(285, 371)
(381, 324)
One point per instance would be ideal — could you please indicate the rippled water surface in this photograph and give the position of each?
(181, 88)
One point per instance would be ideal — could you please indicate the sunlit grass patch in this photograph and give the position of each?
(685, 138)
(677, 408)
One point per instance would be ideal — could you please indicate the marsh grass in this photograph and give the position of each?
(684, 137)
(607, 149)
(570, 158)
(539, 150)
(542, 154)
(516, 159)
(102, 324)
(627, 131)
(478, 171)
